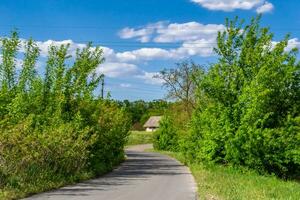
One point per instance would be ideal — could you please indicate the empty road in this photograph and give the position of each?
(143, 176)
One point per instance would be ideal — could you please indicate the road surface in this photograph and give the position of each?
(143, 176)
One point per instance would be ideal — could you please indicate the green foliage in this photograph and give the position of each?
(166, 137)
(53, 130)
(140, 111)
(140, 137)
(237, 183)
(248, 104)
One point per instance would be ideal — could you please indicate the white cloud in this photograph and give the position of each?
(266, 7)
(144, 54)
(293, 43)
(114, 69)
(116, 64)
(144, 34)
(174, 32)
(187, 31)
(44, 47)
(201, 47)
(231, 5)
(199, 41)
(196, 38)
(148, 77)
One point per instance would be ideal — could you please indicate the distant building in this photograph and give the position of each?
(152, 124)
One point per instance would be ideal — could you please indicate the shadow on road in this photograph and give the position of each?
(138, 167)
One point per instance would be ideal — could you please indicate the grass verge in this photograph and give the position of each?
(9, 193)
(50, 181)
(140, 137)
(218, 182)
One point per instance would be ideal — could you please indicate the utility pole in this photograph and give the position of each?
(102, 88)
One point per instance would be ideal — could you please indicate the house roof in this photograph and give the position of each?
(153, 122)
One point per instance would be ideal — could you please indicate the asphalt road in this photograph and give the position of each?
(143, 176)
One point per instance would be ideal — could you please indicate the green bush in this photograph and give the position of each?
(113, 129)
(251, 111)
(53, 129)
(166, 138)
(28, 156)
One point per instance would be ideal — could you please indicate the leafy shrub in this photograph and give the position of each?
(53, 130)
(29, 155)
(248, 104)
(166, 138)
(113, 128)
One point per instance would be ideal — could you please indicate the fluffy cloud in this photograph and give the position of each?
(144, 54)
(187, 31)
(203, 48)
(231, 5)
(266, 7)
(116, 65)
(195, 38)
(148, 77)
(143, 34)
(174, 32)
(44, 46)
(292, 43)
(73, 46)
(114, 69)
(200, 47)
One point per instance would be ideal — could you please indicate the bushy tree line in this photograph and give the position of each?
(248, 103)
(141, 110)
(53, 129)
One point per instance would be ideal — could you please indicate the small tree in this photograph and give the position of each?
(166, 138)
(179, 83)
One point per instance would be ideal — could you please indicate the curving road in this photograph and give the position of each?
(143, 176)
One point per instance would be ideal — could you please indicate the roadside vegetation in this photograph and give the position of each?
(236, 123)
(140, 137)
(219, 182)
(53, 129)
(140, 111)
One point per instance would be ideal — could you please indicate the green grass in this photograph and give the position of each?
(140, 137)
(48, 182)
(41, 185)
(230, 183)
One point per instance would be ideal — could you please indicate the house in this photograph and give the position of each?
(152, 124)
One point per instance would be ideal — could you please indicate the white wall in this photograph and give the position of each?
(150, 129)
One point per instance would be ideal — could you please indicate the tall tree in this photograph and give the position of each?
(8, 66)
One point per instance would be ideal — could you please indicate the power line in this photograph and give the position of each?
(101, 27)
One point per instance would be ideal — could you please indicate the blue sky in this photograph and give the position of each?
(141, 37)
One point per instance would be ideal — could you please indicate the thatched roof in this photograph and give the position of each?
(153, 122)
